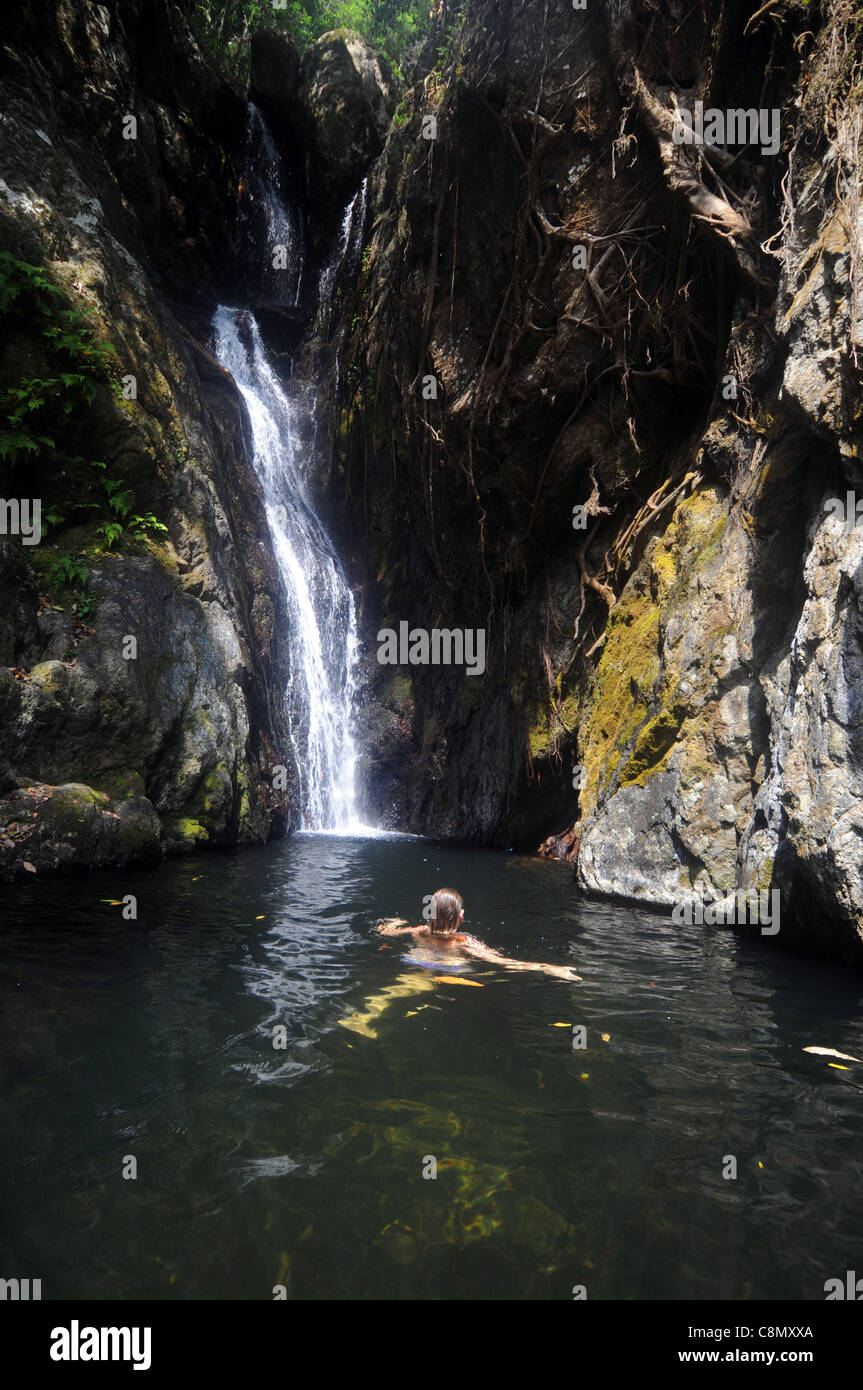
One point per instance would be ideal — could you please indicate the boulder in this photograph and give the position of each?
(334, 105)
(349, 94)
(44, 828)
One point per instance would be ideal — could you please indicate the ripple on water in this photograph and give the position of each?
(555, 1166)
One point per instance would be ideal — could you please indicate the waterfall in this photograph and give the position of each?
(323, 634)
(268, 222)
(351, 232)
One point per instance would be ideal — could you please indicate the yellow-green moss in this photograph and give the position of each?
(120, 783)
(633, 722)
(551, 722)
(652, 745)
(764, 878)
(622, 689)
(191, 829)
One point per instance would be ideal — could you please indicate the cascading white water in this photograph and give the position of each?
(323, 635)
(353, 223)
(268, 223)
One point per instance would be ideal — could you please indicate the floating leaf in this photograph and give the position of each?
(838, 1066)
(455, 980)
(260, 919)
(606, 1037)
(558, 1025)
(831, 1052)
(28, 866)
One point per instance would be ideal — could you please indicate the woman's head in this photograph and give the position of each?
(447, 910)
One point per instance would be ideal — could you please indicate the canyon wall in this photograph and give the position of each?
(646, 392)
(119, 171)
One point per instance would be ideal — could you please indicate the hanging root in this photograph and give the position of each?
(716, 213)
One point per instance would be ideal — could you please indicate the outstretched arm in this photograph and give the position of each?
(482, 952)
(395, 926)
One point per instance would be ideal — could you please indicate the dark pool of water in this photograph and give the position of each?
(303, 1166)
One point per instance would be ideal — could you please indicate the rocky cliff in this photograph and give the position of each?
(601, 385)
(141, 667)
(590, 386)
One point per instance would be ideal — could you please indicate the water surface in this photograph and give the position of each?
(303, 1165)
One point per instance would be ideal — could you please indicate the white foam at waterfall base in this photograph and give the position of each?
(323, 639)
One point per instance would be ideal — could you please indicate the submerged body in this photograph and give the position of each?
(443, 935)
(443, 948)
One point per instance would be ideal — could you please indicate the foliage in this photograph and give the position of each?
(394, 27)
(25, 290)
(69, 573)
(47, 410)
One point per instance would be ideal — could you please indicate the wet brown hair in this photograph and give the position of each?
(446, 904)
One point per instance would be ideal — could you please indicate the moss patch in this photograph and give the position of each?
(190, 830)
(121, 783)
(635, 711)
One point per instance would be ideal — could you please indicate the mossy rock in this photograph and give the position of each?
(185, 833)
(121, 783)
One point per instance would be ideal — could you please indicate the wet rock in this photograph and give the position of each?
(133, 232)
(44, 828)
(274, 76)
(333, 106)
(691, 656)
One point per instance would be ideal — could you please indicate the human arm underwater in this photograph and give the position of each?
(480, 951)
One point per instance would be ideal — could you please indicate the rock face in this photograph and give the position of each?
(598, 401)
(333, 107)
(275, 76)
(157, 702)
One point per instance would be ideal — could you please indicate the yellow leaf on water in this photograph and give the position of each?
(831, 1052)
(585, 1076)
(454, 980)
(606, 1037)
(558, 1025)
(261, 918)
(838, 1066)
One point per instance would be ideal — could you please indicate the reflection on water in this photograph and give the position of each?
(302, 1163)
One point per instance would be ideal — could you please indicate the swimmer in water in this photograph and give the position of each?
(447, 915)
